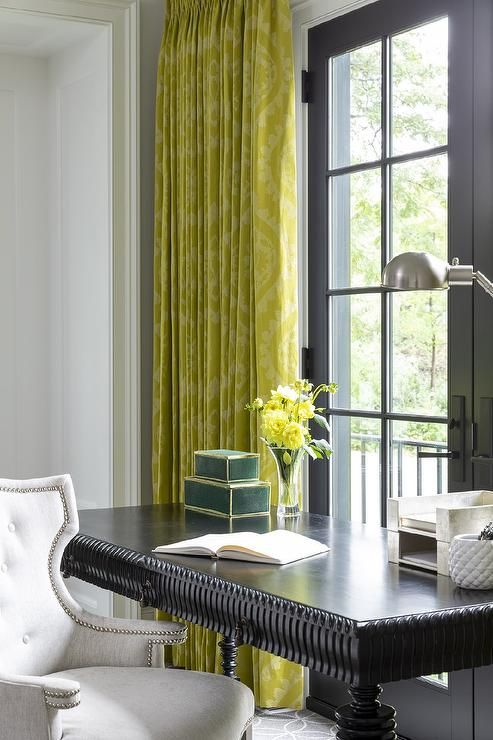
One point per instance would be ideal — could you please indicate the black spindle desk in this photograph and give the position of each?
(349, 613)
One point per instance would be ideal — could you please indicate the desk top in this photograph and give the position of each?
(353, 581)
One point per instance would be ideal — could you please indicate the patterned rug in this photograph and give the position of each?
(289, 724)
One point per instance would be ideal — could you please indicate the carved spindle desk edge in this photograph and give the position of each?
(358, 653)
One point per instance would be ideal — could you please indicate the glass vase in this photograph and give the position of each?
(288, 477)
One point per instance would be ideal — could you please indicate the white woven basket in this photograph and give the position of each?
(471, 562)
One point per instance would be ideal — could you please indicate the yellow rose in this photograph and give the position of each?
(306, 410)
(293, 435)
(273, 424)
(273, 405)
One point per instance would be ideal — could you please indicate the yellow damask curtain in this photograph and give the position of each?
(225, 278)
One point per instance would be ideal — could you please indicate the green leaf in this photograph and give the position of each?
(315, 449)
(310, 451)
(286, 458)
(321, 447)
(321, 421)
(322, 443)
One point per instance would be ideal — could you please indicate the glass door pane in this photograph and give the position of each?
(358, 467)
(419, 206)
(356, 347)
(355, 122)
(356, 229)
(419, 88)
(419, 353)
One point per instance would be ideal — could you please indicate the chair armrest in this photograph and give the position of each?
(61, 693)
(121, 642)
(30, 706)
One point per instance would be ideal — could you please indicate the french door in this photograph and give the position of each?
(393, 136)
(390, 170)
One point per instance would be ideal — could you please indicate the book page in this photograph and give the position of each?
(279, 547)
(206, 545)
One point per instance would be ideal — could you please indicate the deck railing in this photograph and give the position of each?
(367, 443)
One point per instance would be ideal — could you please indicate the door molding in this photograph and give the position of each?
(121, 16)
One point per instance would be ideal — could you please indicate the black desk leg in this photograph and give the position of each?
(229, 654)
(365, 717)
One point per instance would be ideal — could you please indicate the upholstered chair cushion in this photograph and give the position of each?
(154, 704)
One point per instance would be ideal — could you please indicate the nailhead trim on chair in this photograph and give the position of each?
(61, 694)
(67, 700)
(150, 647)
(70, 705)
(178, 636)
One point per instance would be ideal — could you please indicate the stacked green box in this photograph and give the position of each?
(226, 484)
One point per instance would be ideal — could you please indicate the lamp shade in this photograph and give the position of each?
(415, 271)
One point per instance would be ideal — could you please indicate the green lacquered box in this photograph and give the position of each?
(227, 465)
(232, 500)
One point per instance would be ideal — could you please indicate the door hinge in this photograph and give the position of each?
(306, 86)
(306, 362)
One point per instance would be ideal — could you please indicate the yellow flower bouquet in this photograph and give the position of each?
(285, 429)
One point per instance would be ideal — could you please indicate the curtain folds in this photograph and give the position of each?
(225, 277)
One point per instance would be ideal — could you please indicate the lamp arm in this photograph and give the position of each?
(483, 281)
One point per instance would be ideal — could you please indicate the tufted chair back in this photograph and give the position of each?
(37, 519)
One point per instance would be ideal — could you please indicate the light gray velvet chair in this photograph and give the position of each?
(66, 673)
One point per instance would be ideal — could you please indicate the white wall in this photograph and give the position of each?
(80, 255)
(25, 364)
(55, 268)
(55, 274)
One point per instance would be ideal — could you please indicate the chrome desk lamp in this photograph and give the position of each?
(423, 271)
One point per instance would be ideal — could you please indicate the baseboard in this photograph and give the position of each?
(327, 710)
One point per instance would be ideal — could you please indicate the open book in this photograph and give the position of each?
(278, 547)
